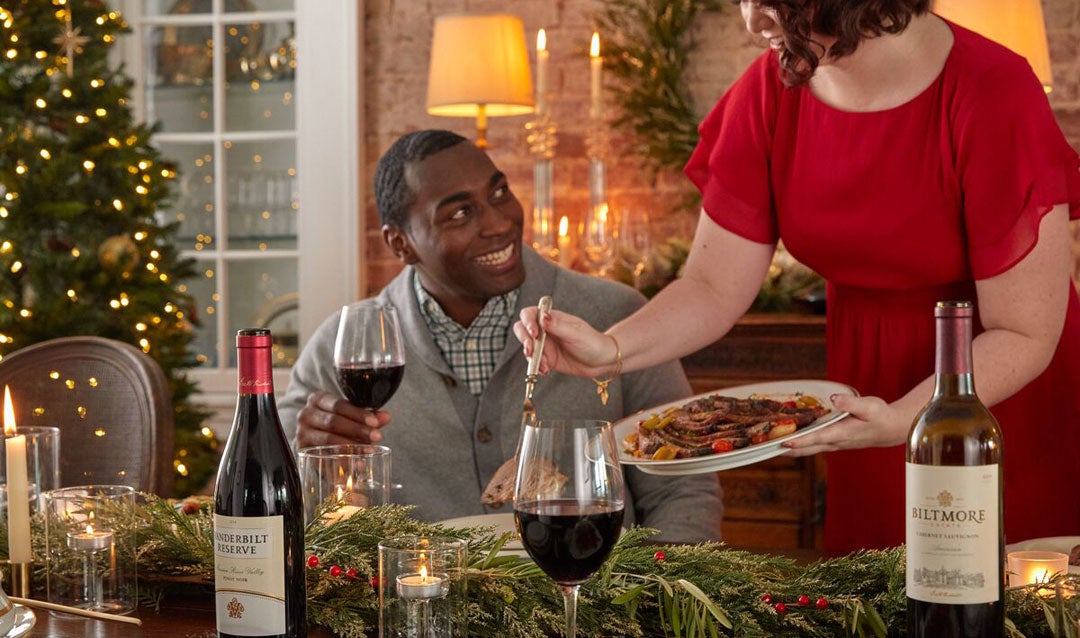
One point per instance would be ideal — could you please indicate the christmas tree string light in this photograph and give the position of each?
(81, 248)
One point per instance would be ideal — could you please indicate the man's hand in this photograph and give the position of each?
(329, 420)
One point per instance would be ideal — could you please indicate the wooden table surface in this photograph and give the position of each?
(189, 618)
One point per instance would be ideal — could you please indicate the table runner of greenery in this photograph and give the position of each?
(691, 590)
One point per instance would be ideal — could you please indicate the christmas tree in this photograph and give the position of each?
(81, 250)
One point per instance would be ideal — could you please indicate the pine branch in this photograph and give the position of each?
(695, 590)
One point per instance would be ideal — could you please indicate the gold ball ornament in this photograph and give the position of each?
(119, 254)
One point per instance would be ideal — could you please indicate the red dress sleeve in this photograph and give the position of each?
(1013, 163)
(730, 165)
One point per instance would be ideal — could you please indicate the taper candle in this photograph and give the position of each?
(596, 71)
(541, 72)
(18, 492)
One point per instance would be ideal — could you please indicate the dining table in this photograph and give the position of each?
(192, 615)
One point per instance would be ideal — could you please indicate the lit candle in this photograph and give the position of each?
(421, 586)
(541, 72)
(564, 242)
(596, 68)
(18, 492)
(1034, 567)
(346, 510)
(90, 540)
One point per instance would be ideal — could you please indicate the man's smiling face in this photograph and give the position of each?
(464, 230)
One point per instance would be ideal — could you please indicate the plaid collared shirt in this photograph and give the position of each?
(471, 352)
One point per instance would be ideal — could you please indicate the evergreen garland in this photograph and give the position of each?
(81, 249)
(648, 51)
(689, 590)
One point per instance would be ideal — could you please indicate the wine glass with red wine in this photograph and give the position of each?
(369, 355)
(568, 501)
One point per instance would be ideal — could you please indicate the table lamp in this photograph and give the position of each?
(479, 68)
(1016, 24)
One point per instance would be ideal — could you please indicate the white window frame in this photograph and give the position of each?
(330, 227)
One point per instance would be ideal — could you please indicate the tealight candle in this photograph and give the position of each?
(90, 540)
(345, 510)
(421, 586)
(1035, 567)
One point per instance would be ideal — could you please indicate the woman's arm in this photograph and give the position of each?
(719, 282)
(1022, 312)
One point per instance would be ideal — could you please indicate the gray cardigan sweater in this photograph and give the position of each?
(446, 443)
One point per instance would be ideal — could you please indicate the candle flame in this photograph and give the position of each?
(423, 574)
(594, 46)
(541, 40)
(564, 225)
(348, 485)
(9, 413)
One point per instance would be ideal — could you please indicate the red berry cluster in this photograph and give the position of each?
(803, 601)
(335, 571)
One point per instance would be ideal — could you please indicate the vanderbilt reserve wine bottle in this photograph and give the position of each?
(258, 514)
(955, 538)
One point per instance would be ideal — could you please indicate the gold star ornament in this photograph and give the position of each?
(71, 41)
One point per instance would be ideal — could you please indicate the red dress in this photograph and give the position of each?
(898, 209)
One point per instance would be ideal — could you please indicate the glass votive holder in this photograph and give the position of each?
(42, 463)
(422, 587)
(1034, 567)
(356, 475)
(90, 548)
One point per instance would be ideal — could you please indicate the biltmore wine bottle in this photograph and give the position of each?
(258, 514)
(955, 539)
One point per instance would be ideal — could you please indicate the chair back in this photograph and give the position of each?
(112, 405)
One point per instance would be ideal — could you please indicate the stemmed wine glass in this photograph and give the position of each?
(369, 355)
(635, 243)
(568, 501)
(598, 240)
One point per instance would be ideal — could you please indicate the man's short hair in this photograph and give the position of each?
(392, 194)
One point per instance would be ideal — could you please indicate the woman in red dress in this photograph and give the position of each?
(907, 160)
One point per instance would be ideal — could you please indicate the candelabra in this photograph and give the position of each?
(541, 139)
(598, 240)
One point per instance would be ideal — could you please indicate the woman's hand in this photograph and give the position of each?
(329, 420)
(872, 423)
(571, 347)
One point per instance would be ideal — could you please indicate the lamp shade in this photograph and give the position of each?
(1016, 24)
(479, 61)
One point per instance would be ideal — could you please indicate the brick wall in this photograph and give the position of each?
(398, 38)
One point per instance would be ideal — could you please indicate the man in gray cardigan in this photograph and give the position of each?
(450, 216)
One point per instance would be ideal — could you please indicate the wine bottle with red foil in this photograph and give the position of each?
(258, 511)
(955, 537)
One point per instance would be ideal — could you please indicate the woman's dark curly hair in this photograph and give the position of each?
(849, 21)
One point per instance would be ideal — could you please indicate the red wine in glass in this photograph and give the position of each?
(369, 387)
(369, 354)
(569, 539)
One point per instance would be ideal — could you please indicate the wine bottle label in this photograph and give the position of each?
(249, 574)
(953, 534)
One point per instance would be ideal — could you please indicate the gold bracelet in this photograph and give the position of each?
(602, 384)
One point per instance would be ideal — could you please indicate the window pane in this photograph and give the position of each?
(262, 192)
(203, 288)
(185, 7)
(263, 294)
(179, 77)
(259, 96)
(193, 204)
(259, 5)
